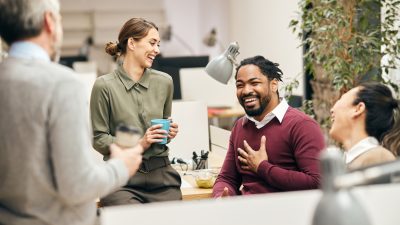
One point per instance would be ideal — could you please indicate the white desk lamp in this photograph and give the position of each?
(220, 68)
(338, 205)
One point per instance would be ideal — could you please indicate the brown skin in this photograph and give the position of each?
(251, 159)
(252, 89)
(225, 193)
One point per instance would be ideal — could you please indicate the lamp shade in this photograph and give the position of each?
(337, 205)
(220, 68)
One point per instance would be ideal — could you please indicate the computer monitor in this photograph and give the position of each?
(172, 66)
(69, 60)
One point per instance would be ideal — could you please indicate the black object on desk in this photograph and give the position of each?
(200, 162)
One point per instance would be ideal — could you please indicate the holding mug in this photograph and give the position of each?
(165, 126)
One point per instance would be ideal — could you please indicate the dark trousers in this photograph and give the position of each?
(162, 184)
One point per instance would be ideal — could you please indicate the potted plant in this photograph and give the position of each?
(344, 42)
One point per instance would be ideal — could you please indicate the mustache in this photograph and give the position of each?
(249, 95)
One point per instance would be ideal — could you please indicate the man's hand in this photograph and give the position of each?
(225, 193)
(251, 159)
(132, 157)
(173, 130)
(153, 135)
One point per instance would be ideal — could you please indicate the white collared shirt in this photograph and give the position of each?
(361, 147)
(28, 50)
(279, 112)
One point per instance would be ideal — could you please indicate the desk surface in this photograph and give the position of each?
(194, 193)
(215, 160)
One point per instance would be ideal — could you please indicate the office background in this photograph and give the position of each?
(260, 27)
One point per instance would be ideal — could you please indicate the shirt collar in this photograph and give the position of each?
(361, 147)
(128, 82)
(279, 112)
(28, 50)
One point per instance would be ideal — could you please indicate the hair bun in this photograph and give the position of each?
(112, 48)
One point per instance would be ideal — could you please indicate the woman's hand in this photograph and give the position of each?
(173, 130)
(153, 135)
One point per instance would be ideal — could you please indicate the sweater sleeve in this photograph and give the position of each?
(308, 143)
(229, 176)
(77, 176)
(100, 114)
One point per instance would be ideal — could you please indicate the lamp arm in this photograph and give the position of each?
(233, 60)
(364, 176)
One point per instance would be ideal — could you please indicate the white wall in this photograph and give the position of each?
(191, 20)
(261, 28)
(183, 16)
(216, 14)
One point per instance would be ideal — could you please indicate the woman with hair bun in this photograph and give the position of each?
(134, 94)
(365, 121)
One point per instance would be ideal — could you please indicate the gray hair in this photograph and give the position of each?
(21, 19)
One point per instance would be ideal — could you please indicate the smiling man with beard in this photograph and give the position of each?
(287, 142)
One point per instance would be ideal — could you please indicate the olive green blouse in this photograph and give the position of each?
(116, 99)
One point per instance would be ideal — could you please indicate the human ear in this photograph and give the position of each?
(274, 85)
(49, 22)
(359, 109)
(131, 44)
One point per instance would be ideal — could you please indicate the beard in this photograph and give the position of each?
(255, 111)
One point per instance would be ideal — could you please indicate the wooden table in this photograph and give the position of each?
(215, 160)
(194, 193)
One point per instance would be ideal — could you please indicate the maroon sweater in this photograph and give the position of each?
(293, 149)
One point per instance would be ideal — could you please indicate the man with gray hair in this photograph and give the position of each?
(48, 175)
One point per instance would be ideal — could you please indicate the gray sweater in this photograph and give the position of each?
(47, 172)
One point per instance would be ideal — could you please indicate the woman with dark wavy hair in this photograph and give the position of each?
(365, 121)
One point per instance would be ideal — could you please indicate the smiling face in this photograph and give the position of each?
(343, 114)
(254, 91)
(146, 49)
